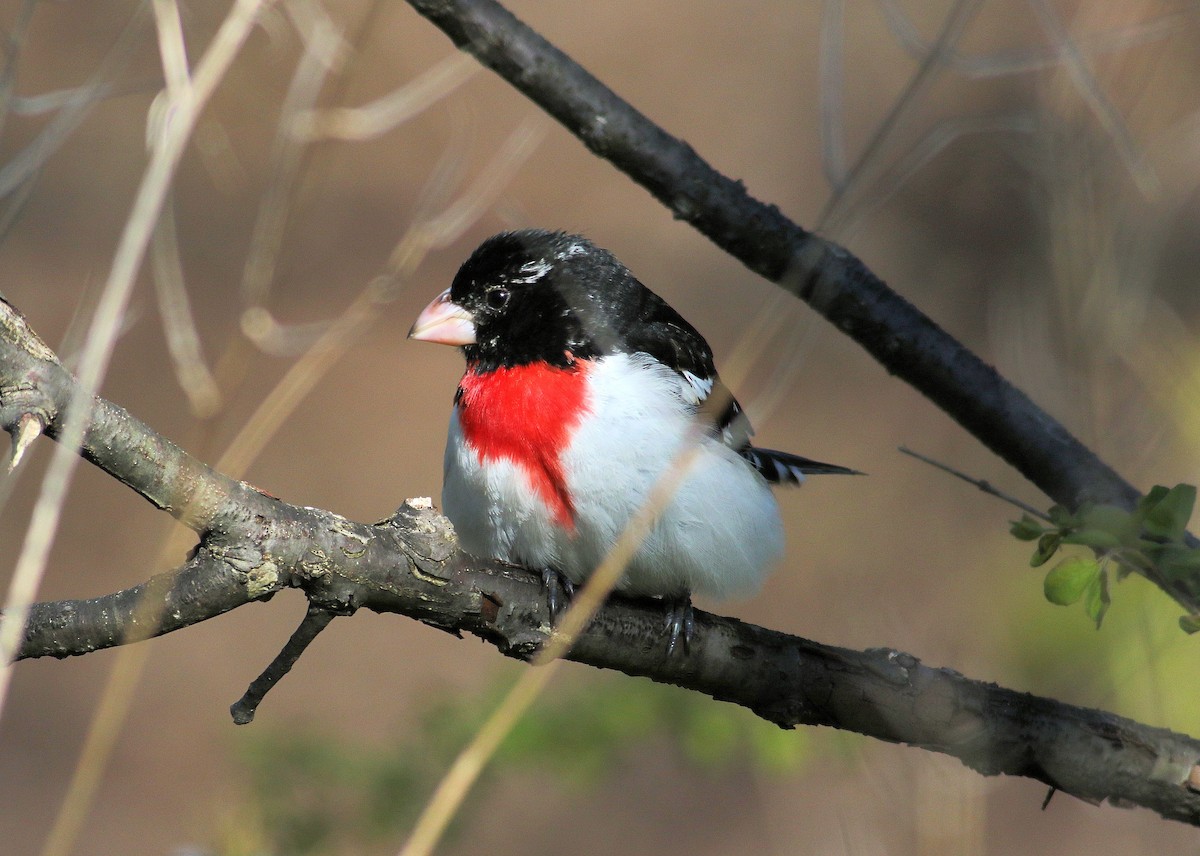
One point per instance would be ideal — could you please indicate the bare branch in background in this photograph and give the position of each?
(1089, 89)
(394, 109)
(322, 47)
(76, 105)
(1004, 63)
(844, 202)
(183, 342)
(833, 82)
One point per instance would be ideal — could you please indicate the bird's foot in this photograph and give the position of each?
(680, 623)
(559, 592)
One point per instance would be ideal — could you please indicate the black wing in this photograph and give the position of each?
(786, 468)
(660, 331)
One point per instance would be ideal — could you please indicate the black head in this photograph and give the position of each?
(540, 295)
(536, 295)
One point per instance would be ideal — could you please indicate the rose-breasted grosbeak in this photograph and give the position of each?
(581, 387)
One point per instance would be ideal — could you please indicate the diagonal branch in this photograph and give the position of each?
(35, 384)
(315, 620)
(828, 277)
(202, 588)
(410, 565)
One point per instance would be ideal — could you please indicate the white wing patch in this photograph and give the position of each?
(773, 469)
(700, 387)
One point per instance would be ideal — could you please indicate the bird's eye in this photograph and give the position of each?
(497, 298)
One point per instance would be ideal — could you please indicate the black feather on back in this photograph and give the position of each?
(786, 468)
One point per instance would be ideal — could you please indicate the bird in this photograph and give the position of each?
(581, 387)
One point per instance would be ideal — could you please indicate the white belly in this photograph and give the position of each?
(718, 536)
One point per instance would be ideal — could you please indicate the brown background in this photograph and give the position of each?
(1031, 241)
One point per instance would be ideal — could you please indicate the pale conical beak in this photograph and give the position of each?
(444, 322)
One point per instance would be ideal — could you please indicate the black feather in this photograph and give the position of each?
(786, 468)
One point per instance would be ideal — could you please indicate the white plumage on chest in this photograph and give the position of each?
(718, 536)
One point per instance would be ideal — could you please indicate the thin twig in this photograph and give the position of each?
(315, 620)
(346, 329)
(179, 325)
(386, 113)
(984, 486)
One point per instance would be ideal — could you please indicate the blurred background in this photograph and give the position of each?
(1031, 184)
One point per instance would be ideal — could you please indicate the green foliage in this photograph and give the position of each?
(1069, 579)
(315, 794)
(1141, 667)
(1026, 529)
(1096, 599)
(1165, 513)
(1148, 540)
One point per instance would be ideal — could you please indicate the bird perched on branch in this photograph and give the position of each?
(581, 387)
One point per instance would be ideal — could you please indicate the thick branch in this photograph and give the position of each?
(34, 383)
(410, 565)
(202, 588)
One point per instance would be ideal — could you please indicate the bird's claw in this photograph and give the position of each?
(680, 622)
(553, 582)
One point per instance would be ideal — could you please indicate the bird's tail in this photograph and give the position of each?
(784, 468)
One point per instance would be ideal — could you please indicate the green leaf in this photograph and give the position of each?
(1069, 579)
(1027, 528)
(1152, 498)
(1096, 600)
(1176, 561)
(1109, 518)
(1189, 623)
(1047, 545)
(1169, 515)
(1061, 517)
(1097, 539)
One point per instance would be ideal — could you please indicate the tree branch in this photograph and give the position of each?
(410, 564)
(35, 384)
(202, 588)
(315, 620)
(825, 275)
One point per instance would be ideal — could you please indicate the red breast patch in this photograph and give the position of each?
(526, 414)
